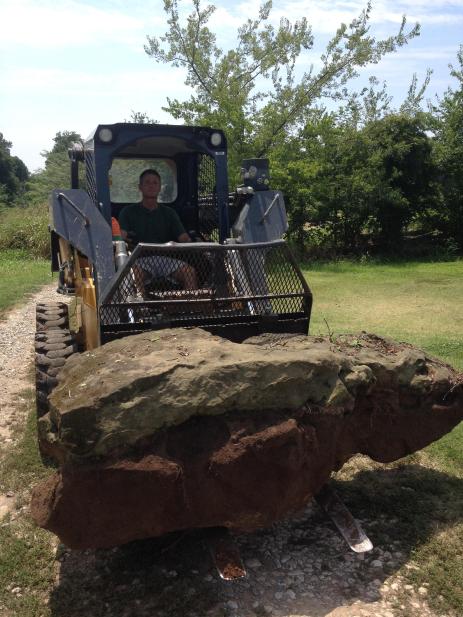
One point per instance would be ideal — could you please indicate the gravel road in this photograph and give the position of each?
(16, 355)
(298, 568)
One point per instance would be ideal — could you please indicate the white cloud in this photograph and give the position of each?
(326, 16)
(108, 84)
(54, 100)
(223, 19)
(47, 24)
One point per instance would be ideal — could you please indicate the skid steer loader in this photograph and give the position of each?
(246, 281)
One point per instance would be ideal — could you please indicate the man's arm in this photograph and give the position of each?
(176, 227)
(184, 237)
(126, 233)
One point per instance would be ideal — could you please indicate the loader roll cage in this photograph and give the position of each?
(237, 282)
(198, 156)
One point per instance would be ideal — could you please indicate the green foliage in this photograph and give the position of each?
(252, 91)
(449, 155)
(140, 117)
(25, 229)
(370, 104)
(366, 173)
(400, 153)
(13, 174)
(56, 173)
(412, 103)
(63, 141)
(359, 184)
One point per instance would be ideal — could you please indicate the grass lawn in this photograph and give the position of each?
(421, 501)
(20, 275)
(420, 303)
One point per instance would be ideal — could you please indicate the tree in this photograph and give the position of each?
(370, 104)
(400, 152)
(56, 173)
(412, 103)
(344, 184)
(252, 91)
(449, 154)
(328, 184)
(140, 117)
(13, 173)
(63, 140)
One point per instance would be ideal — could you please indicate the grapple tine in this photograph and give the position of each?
(225, 554)
(346, 524)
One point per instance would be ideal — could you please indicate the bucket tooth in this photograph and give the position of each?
(225, 554)
(346, 524)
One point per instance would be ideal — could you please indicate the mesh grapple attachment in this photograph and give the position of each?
(233, 290)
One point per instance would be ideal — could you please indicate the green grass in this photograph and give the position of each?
(26, 552)
(419, 500)
(415, 302)
(22, 467)
(20, 275)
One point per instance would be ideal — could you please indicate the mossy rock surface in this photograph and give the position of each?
(112, 397)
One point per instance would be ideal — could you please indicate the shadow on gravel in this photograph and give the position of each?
(300, 566)
(406, 503)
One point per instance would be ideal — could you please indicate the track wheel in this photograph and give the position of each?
(54, 344)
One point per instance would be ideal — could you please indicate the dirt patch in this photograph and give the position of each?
(7, 504)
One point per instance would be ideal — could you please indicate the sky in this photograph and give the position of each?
(74, 64)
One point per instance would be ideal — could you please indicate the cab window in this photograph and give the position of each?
(124, 175)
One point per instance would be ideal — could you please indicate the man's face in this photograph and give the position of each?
(150, 186)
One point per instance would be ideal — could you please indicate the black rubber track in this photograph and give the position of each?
(54, 344)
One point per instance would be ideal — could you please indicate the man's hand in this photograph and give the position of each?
(131, 240)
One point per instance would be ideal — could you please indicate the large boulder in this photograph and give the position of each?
(180, 429)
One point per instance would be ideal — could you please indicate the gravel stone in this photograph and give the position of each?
(422, 591)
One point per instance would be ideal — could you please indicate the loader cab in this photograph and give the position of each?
(192, 163)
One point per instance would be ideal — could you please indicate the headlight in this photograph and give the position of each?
(216, 139)
(105, 135)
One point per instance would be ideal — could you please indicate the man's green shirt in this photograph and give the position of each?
(154, 226)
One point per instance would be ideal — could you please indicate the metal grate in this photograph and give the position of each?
(91, 175)
(207, 285)
(207, 198)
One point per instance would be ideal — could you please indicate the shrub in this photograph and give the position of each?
(25, 229)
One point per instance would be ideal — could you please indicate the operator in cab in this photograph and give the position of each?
(151, 222)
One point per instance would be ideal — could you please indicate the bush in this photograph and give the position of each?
(314, 242)
(25, 229)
